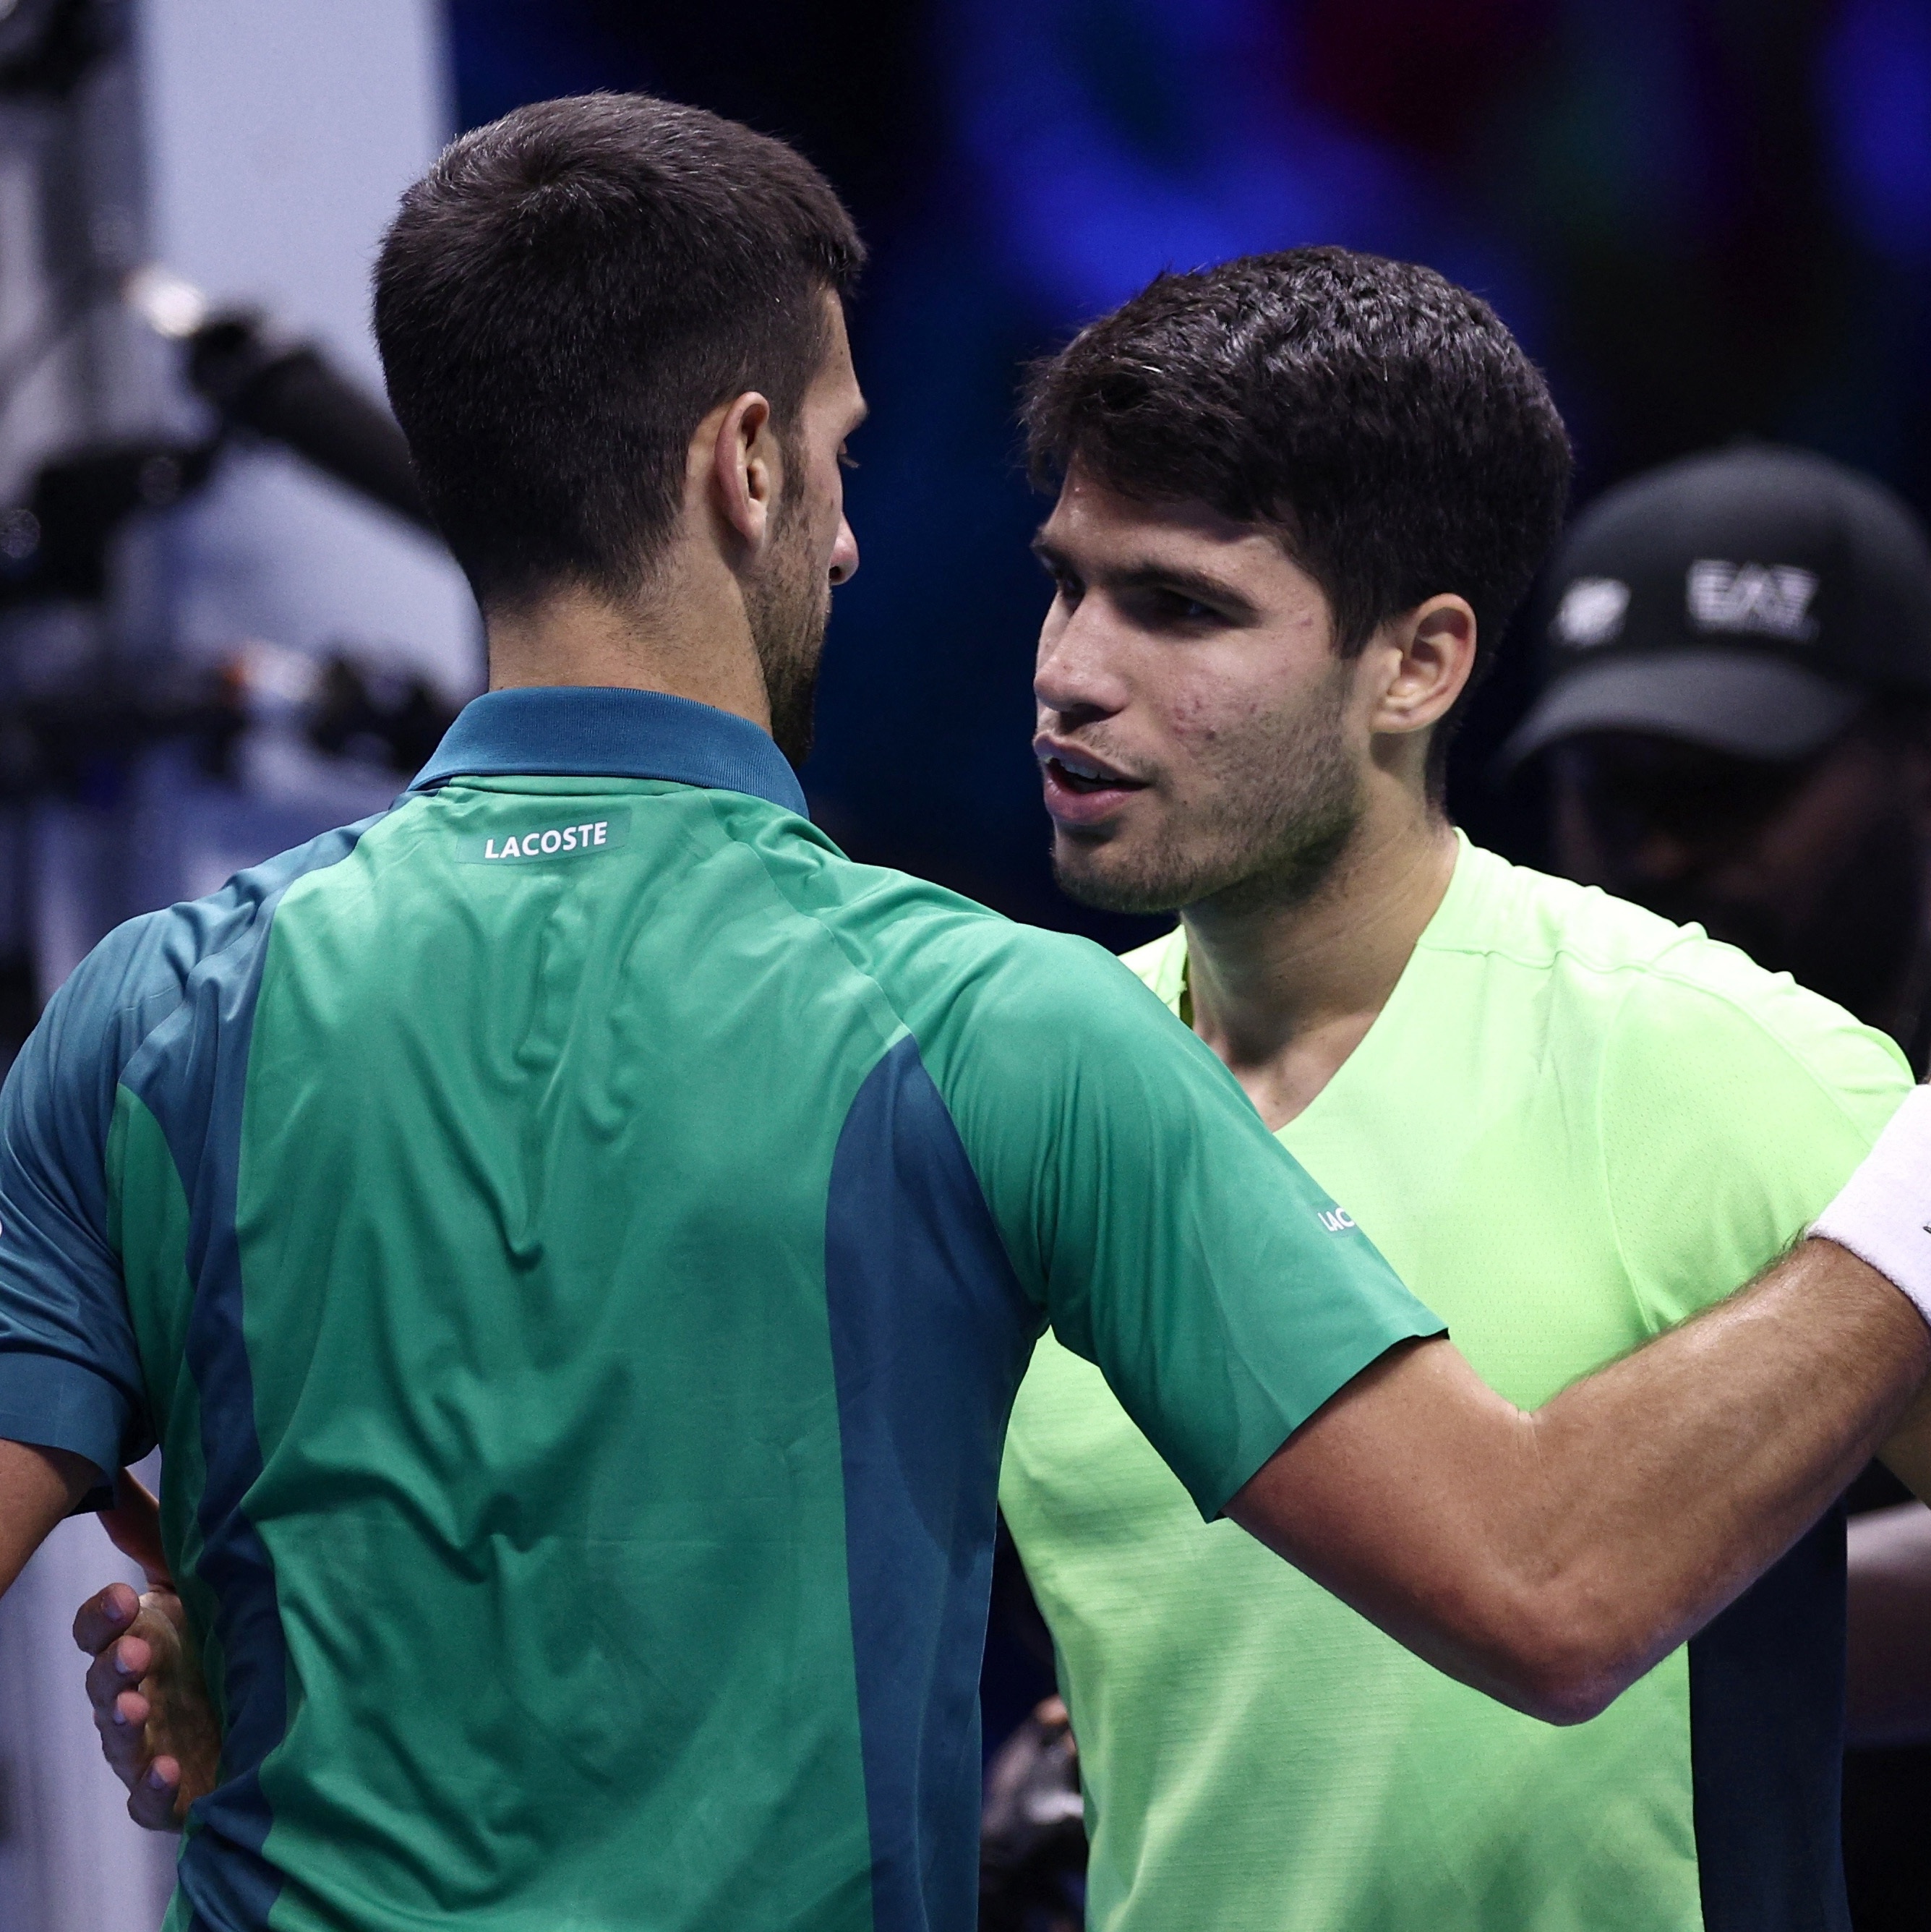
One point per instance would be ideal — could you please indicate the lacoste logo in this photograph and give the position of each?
(546, 841)
(1591, 612)
(1772, 600)
(541, 844)
(1337, 1220)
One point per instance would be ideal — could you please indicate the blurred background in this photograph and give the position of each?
(223, 626)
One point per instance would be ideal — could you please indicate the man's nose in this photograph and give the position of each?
(1074, 676)
(844, 555)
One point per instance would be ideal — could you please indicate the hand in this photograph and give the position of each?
(157, 1731)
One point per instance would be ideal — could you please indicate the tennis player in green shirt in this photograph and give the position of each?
(1568, 1124)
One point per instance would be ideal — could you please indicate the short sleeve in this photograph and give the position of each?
(1173, 1242)
(1732, 1113)
(70, 1375)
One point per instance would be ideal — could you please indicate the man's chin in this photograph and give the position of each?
(1084, 875)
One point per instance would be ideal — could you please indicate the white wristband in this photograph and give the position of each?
(1881, 1214)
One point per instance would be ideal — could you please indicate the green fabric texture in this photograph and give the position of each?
(532, 1219)
(1572, 1126)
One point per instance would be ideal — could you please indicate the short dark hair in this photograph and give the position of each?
(1382, 422)
(565, 296)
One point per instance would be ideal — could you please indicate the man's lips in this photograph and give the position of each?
(1080, 788)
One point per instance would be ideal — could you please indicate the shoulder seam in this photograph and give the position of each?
(812, 919)
(268, 902)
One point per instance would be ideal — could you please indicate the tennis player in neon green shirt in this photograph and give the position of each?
(1547, 1107)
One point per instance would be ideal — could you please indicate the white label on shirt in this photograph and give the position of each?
(569, 838)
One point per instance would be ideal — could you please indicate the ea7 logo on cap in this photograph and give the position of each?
(1772, 600)
(1591, 611)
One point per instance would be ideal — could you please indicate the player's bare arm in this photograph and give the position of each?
(37, 1488)
(1549, 1558)
(1552, 1558)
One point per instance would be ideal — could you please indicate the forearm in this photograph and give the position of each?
(1669, 1481)
(1890, 1676)
(37, 1488)
(1550, 1559)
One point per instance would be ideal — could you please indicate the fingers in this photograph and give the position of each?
(146, 1692)
(123, 1739)
(151, 1798)
(119, 1668)
(120, 1707)
(101, 1619)
(126, 1683)
(134, 1525)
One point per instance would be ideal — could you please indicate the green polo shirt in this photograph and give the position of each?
(576, 1238)
(1572, 1126)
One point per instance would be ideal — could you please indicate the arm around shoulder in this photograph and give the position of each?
(1552, 1558)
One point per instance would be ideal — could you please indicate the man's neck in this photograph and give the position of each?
(689, 639)
(1284, 994)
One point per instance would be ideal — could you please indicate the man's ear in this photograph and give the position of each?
(744, 461)
(1433, 655)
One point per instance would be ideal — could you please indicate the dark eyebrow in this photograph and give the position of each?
(1175, 579)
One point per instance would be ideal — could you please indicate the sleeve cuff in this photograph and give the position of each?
(51, 1403)
(1260, 1444)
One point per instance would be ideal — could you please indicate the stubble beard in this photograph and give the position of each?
(788, 606)
(1285, 807)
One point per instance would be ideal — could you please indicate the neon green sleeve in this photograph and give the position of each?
(1735, 1104)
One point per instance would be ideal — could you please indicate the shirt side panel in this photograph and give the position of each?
(930, 1331)
(1043, 1055)
(147, 1195)
(190, 1074)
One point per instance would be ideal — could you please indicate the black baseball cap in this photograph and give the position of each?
(1753, 599)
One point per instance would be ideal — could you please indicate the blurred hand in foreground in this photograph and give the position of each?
(157, 1730)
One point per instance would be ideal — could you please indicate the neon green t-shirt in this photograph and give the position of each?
(1572, 1125)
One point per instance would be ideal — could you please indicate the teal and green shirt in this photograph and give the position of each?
(1572, 1126)
(576, 1238)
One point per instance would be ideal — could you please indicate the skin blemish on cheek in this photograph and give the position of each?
(1196, 716)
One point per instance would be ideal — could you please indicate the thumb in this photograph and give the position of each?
(134, 1526)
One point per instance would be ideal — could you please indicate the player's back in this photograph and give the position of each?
(507, 1207)
(542, 1443)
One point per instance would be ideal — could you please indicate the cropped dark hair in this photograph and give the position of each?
(566, 294)
(1382, 422)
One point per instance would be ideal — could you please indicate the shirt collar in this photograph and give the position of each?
(602, 731)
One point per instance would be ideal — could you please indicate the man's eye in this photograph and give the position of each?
(1068, 590)
(1179, 609)
(846, 460)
